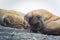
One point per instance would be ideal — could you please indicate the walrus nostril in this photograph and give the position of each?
(30, 18)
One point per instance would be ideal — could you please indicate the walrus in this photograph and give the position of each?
(52, 28)
(11, 19)
(39, 21)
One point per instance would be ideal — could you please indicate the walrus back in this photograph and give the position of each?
(47, 16)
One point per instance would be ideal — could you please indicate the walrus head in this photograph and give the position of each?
(36, 23)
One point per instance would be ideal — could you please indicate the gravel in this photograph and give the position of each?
(7, 33)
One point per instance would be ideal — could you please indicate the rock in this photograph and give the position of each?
(7, 33)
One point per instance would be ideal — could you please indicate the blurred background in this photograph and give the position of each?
(28, 5)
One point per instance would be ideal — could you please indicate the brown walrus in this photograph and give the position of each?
(39, 21)
(11, 19)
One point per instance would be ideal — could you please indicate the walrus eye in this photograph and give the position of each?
(38, 17)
